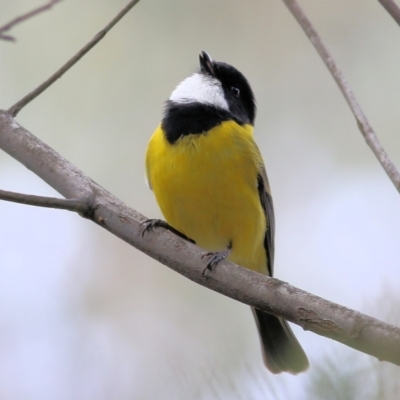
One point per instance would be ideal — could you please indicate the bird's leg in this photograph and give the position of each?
(216, 258)
(150, 224)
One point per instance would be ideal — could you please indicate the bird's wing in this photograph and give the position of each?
(268, 207)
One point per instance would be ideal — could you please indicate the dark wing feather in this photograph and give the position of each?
(281, 350)
(268, 207)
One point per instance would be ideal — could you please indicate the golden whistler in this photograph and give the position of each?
(209, 180)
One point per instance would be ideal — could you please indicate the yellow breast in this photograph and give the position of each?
(206, 187)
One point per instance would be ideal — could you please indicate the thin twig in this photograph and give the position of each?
(76, 205)
(392, 8)
(362, 122)
(16, 108)
(23, 18)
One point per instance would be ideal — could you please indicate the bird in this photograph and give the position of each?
(210, 182)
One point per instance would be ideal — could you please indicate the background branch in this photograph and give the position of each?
(76, 205)
(16, 108)
(392, 8)
(271, 295)
(362, 121)
(23, 18)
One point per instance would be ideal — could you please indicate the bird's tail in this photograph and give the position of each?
(281, 350)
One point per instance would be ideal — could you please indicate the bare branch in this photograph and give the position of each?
(23, 18)
(362, 122)
(392, 8)
(16, 108)
(271, 295)
(76, 205)
(57, 172)
(7, 37)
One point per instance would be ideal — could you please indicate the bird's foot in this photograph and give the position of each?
(216, 258)
(150, 224)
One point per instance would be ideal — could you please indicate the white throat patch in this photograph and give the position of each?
(200, 88)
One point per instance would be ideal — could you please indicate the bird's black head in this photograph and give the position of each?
(236, 88)
(216, 93)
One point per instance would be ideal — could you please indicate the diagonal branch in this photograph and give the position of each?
(362, 121)
(23, 18)
(392, 8)
(16, 108)
(313, 313)
(77, 205)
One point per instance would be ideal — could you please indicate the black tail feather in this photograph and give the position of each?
(281, 350)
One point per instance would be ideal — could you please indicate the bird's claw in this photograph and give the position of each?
(216, 258)
(150, 224)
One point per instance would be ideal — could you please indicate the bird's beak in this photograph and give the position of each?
(206, 63)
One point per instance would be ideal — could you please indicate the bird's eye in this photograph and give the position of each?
(235, 91)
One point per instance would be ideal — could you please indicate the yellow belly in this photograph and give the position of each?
(206, 187)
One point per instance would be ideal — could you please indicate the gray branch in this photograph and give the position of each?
(362, 121)
(392, 8)
(17, 107)
(23, 18)
(82, 206)
(313, 313)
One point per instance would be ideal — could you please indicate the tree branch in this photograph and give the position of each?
(313, 313)
(23, 18)
(362, 121)
(392, 8)
(77, 205)
(16, 108)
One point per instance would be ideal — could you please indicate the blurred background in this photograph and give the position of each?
(85, 316)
